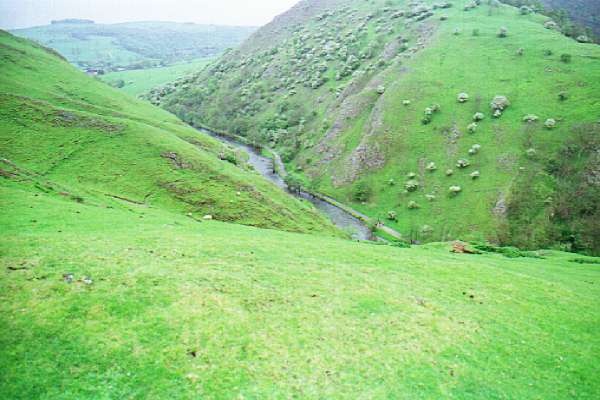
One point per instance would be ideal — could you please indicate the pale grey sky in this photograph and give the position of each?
(25, 13)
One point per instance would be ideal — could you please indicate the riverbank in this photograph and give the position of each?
(374, 227)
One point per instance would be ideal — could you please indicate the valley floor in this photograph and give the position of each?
(176, 308)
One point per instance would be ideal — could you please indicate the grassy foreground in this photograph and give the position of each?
(181, 309)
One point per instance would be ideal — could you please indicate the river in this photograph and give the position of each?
(264, 166)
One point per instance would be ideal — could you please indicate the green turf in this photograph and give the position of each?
(185, 309)
(137, 82)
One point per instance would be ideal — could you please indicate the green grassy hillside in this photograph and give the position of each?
(361, 100)
(110, 289)
(75, 136)
(140, 81)
(173, 308)
(135, 44)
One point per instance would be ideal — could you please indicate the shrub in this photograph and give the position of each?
(392, 216)
(550, 123)
(551, 25)
(524, 10)
(454, 190)
(503, 32)
(392, 182)
(406, 103)
(426, 230)
(562, 96)
(566, 58)
(475, 32)
(430, 197)
(474, 149)
(520, 51)
(412, 205)
(472, 128)
(478, 117)
(500, 103)
(380, 89)
(411, 175)
(531, 153)
(411, 185)
(431, 167)
(475, 175)
(449, 172)
(583, 39)
(443, 18)
(530, 118)
(456, 32)
(294, 184)
(548, 52)
(362, 192)
(463, 97)
(462, 163)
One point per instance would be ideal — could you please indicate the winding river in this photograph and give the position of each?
(263, 165)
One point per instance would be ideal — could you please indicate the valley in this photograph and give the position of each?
(383, 199)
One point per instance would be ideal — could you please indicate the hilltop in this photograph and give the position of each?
(460, 119)
(74, 137)
(134, 45)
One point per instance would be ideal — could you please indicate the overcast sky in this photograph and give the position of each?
(25, 13)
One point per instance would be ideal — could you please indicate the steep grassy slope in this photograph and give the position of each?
(135, 44)
(73, 135)
(179, 309)
(342, 90)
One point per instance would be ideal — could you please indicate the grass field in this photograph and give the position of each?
(114, 285)
(182, 309)
(137, 82)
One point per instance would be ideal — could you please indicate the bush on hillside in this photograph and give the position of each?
(503, 32)
(478, 117)
(431, 167)
(498, 105)
(462, 163)
(449, 172)
(474, 149)
(551, 25)
(550, 123)
(566, 58)
(472, 128)
(411, 185)
(362, 192)
(562, 96)
(463, 97)
(530, 118)
(392, 216)
(583, 39)
(475, 175)
(413, 205)
(454, 190)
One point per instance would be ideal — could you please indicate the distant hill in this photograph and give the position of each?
(462, 119)
(134, 45)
